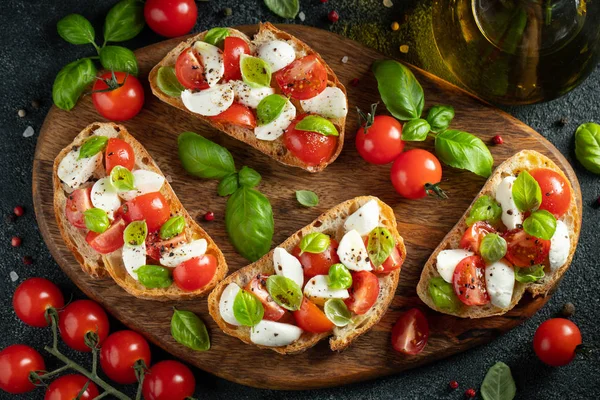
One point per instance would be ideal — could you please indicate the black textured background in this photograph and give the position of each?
(31, 53)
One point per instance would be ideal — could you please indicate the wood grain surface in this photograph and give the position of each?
(422, 223)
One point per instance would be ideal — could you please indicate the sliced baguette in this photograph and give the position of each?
(523, 160)
(99, 265)
(332, 223)
(275, 149)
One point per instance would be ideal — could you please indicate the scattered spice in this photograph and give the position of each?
(323, 1)
(333, 16)
(21, 113)
(302, 16)
(209, 216)
(27, 260)
(227, 11)
(388, 3)
(404, 49)
(497, 140)
(15, 241)
(568, 309)
(13, 276)
(470, 393)
(354, 82)
(344, 59)
(35, 104)
(28, 132)
(562, 122)
(19, 211)
(395, 26)
(453, 385)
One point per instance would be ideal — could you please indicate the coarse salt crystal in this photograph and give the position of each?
(388, 3)
(28, 132)
(13, 276)
(302, 16)
(345, 59)
(168, 178)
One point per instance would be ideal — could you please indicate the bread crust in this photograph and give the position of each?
(275, 149)
(98, 265)
(330, 222)
(523, 160)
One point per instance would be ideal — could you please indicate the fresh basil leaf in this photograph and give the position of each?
(96, 220)
(117, 58)
(442, 294)
(228, 185)
(121, 178)
(314, 242)
(135, 233)
(486, 209)
(284, 8)
(71, 81)
(203, 158)
(92, 146)
(530, 274)
(339, 277)
(189, 330)
(399, 89)
(587, 146)
(249, 223)
(318, 124)
(526, 192)
(415, 130)
(498, 383)
(307, 198)
(256, 73)
(215, 35)
(76, 29)
(284, 292)
(124, 21)
(247, 309)
(337, 312)
(173, 227)
(249, 177)
(167, 82)
(270, 108)
(463, 150)
(380, 246)
(492, 247)
(541, 224)
(154, 276)
(439, 117)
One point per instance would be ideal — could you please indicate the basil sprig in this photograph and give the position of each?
(380, 246)
(124, 21)
(587, 146)
(189, 330)
(173, 227)
(203, 158)
(215, 35)
(339, 277)
(71, 81)
(118, 58)
(228, 185)
(135, 233)
(530, 274)
(415, 130)
(337, 312)
(270, 108)
(541, 224)
(247, 309)
(498, 383)
(285, 292)
(248, 177)
(307, 198)
(167, 82)
(399, 89)
(314, 242)
(492, 248)
(486, 209)
(526, 192)
(94, 145)
(121, 178)
(76, 29)
(439, 117)
(284, 8)
(154, 276)
(442, 294)
(96, 220)
(463, 150)
(317, 124)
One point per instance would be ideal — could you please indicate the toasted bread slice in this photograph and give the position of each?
(332, 223)
(275, 149)
(523, 160)
(99, 265)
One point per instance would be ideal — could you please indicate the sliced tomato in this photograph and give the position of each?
(556, 192)
(303, 79)
(236, 114)
(77, 203)
(311, 319)
(393, 262)
(410, 333)
(119, 152)
(310, 147)
(233, 48)
(156, 247)
(317, 263)
(195, 273)
(190, 70)
(363, 293)
(524, 250)
(469, 281)
(258, 287)
(109, 240)
(151, 207)
(474, 235)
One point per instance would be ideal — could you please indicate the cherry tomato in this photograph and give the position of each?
(382, 142)
(469, 281)
(303, 79)
(122, 103)
(556, 192)
(410, 333)
(524, 250)
(119, 152)
(67, 387)
(171, 18)
(16, 362)
(311, 319)
(258, 287)
(412, 170)
(233, 48)
(119, 353)
(474, 235)
(195, 273)
(393, 262)
(77, 203)
(109, 240)
(363, 293)
(33, 297)
(156, 247)
(79, 318)
(168, 380)
(190, 70)
(151, 207)
(310, 147)
(317, 263)
(236, 114)
(556, 340)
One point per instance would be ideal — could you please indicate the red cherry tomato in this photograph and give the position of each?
(16, 362)
(393, 262)
(233, 48)
(382, 142)
(119, 353)
(33, 297)
(109, 240)
(195, 273)
(310, 147)
(79, 318)
(156, 247)
(410, 333)
(119, 152)
(303, 79)
(190, 70)
(171, 18)
(556, 192)
(311, 319)
(474, 235)
(317, 263)
(77, 203)
(258, 287)
(168, 380)
(363, 293)
(524, 250)
(151, 207)
(556, 340)
(67, 387)
(469, 281)
(236, 114)
(412, 170)
(122, 103)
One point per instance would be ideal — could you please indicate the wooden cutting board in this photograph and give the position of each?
(422, 223)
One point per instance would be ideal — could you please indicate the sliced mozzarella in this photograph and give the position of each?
(226, 303)
(500, 282)
(353, 253)
(212, 59)
(365, 219)
(560, 246)
(144, 182)
(210, 102)
(249, 96)
(511, 216)
(278, 54)
(74, 172)
(105, 196)
(183, 253)
(447, 260)
(318, 291)
(275, 128)
(133, 258)
(273, 334)
(330, 103)
(287, 265)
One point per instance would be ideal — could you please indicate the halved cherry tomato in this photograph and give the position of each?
(196, 272)
(382, 142)
(171, 18)
(317, 263)
(311, 319)
(190, 70)
(363, 293)
(393, 262)
(77, 203)
(524, 250)
(156, 247)
(412, 170)
(233, 48)
(33, 297)
(474, 235)
(119, 152)
(258, 287)
(79, 318)
(303, 79)
(68, 387)
(119, 104)
(469, 281)
(236, 114)
(168, 380)
(410, 333)
(556, 192)
(109, 240)
(151, 207)
(310, 147)
(16, 362)
(119, 353)
(556, 340)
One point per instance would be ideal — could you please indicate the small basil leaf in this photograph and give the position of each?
(249, 177)
(463, 150)
(531, 274)
(216, 35)
(121, 178)
(96, 220)
(167, 82)
(270, 108)
(415, 130)
(307, 198)
(315, 242)
(154, 276)
(399, 89)
(247, 309)
(526, 192)
(492, 247)
(285, 292)
(486, 209)
(124, 21)
(284, 8)
(337, 312)
(92, 146)
(135, 233)
(76, 29)
(71, 81)
(439, 117)
(541, 224)
(228, 185)
(203, 158)
(587, 146)
(189, 330)
(380, 246)
(318, 124)
(498, 383)
(117, 58)
(256, 73)
(339, 277)
(442, 294)
(173, 227)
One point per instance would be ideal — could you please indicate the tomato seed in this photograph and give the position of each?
(453, 384)
(498, 139)
(470, 393)
(209, 216)
(18, 211)
(333, 16)
(15, 241)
